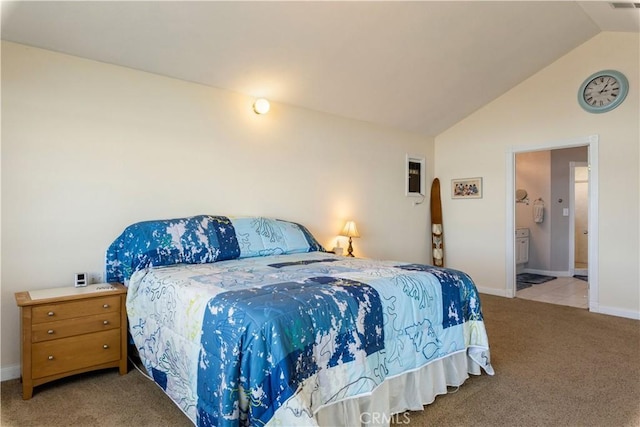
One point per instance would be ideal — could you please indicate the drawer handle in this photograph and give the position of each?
(105, 322)
(50, 331)
(50, 313)
(106, 346)
(105, 306)
(50, 357)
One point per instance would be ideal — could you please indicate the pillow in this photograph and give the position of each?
(202, 239)
(265, 236)
(193, 240)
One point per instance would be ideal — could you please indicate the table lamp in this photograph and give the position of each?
(350, 230)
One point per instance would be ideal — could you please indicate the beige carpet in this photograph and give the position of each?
(555, 366)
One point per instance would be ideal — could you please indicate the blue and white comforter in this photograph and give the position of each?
(272, 339)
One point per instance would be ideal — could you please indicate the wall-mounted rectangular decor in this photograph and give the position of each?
(415, 176)
(466, 188)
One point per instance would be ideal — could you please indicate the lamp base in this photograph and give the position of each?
(350, 249)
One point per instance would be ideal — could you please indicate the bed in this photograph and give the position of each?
(249, 321)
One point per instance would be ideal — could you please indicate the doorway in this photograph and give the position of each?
(591, 267)
(579, 219)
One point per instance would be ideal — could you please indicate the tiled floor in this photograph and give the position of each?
(563, 291)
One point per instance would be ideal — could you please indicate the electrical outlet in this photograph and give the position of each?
(95, 278)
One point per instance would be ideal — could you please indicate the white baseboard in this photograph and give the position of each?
(10, 372)
(614, 311)
(610, 311)
(493, 291)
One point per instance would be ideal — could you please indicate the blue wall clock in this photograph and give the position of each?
(603, 91)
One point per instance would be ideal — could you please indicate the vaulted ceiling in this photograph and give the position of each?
(416, 66)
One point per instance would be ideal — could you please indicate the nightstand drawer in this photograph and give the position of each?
(57, 356)
(67, 310)
(76, 326)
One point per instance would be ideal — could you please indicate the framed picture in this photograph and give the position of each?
(415, 176)
(466, 188)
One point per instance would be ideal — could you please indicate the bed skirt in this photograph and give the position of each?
(409, 391)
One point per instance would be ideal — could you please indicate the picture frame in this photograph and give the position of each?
(414, 176)
(466, 188)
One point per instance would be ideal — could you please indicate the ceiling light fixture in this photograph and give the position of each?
(261, 106)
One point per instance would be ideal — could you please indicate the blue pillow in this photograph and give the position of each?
(194, 240)
(202, 239)
(265, 236)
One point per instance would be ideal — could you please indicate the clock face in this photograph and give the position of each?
(603, 91)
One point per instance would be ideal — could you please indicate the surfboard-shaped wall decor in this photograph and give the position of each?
(437, 236)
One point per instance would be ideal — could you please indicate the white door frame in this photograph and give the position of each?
(591, 142)
(572, 215)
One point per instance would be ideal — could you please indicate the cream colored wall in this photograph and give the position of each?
(89, 148)
(537, 112)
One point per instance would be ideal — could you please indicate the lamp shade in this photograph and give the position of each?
(350, 230)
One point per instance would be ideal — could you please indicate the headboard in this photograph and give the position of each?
(202, 239)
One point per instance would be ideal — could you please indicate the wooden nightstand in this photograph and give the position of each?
(67, 331)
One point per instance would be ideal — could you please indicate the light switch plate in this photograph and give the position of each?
(565, 211)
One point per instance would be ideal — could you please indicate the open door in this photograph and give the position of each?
(579, 262)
